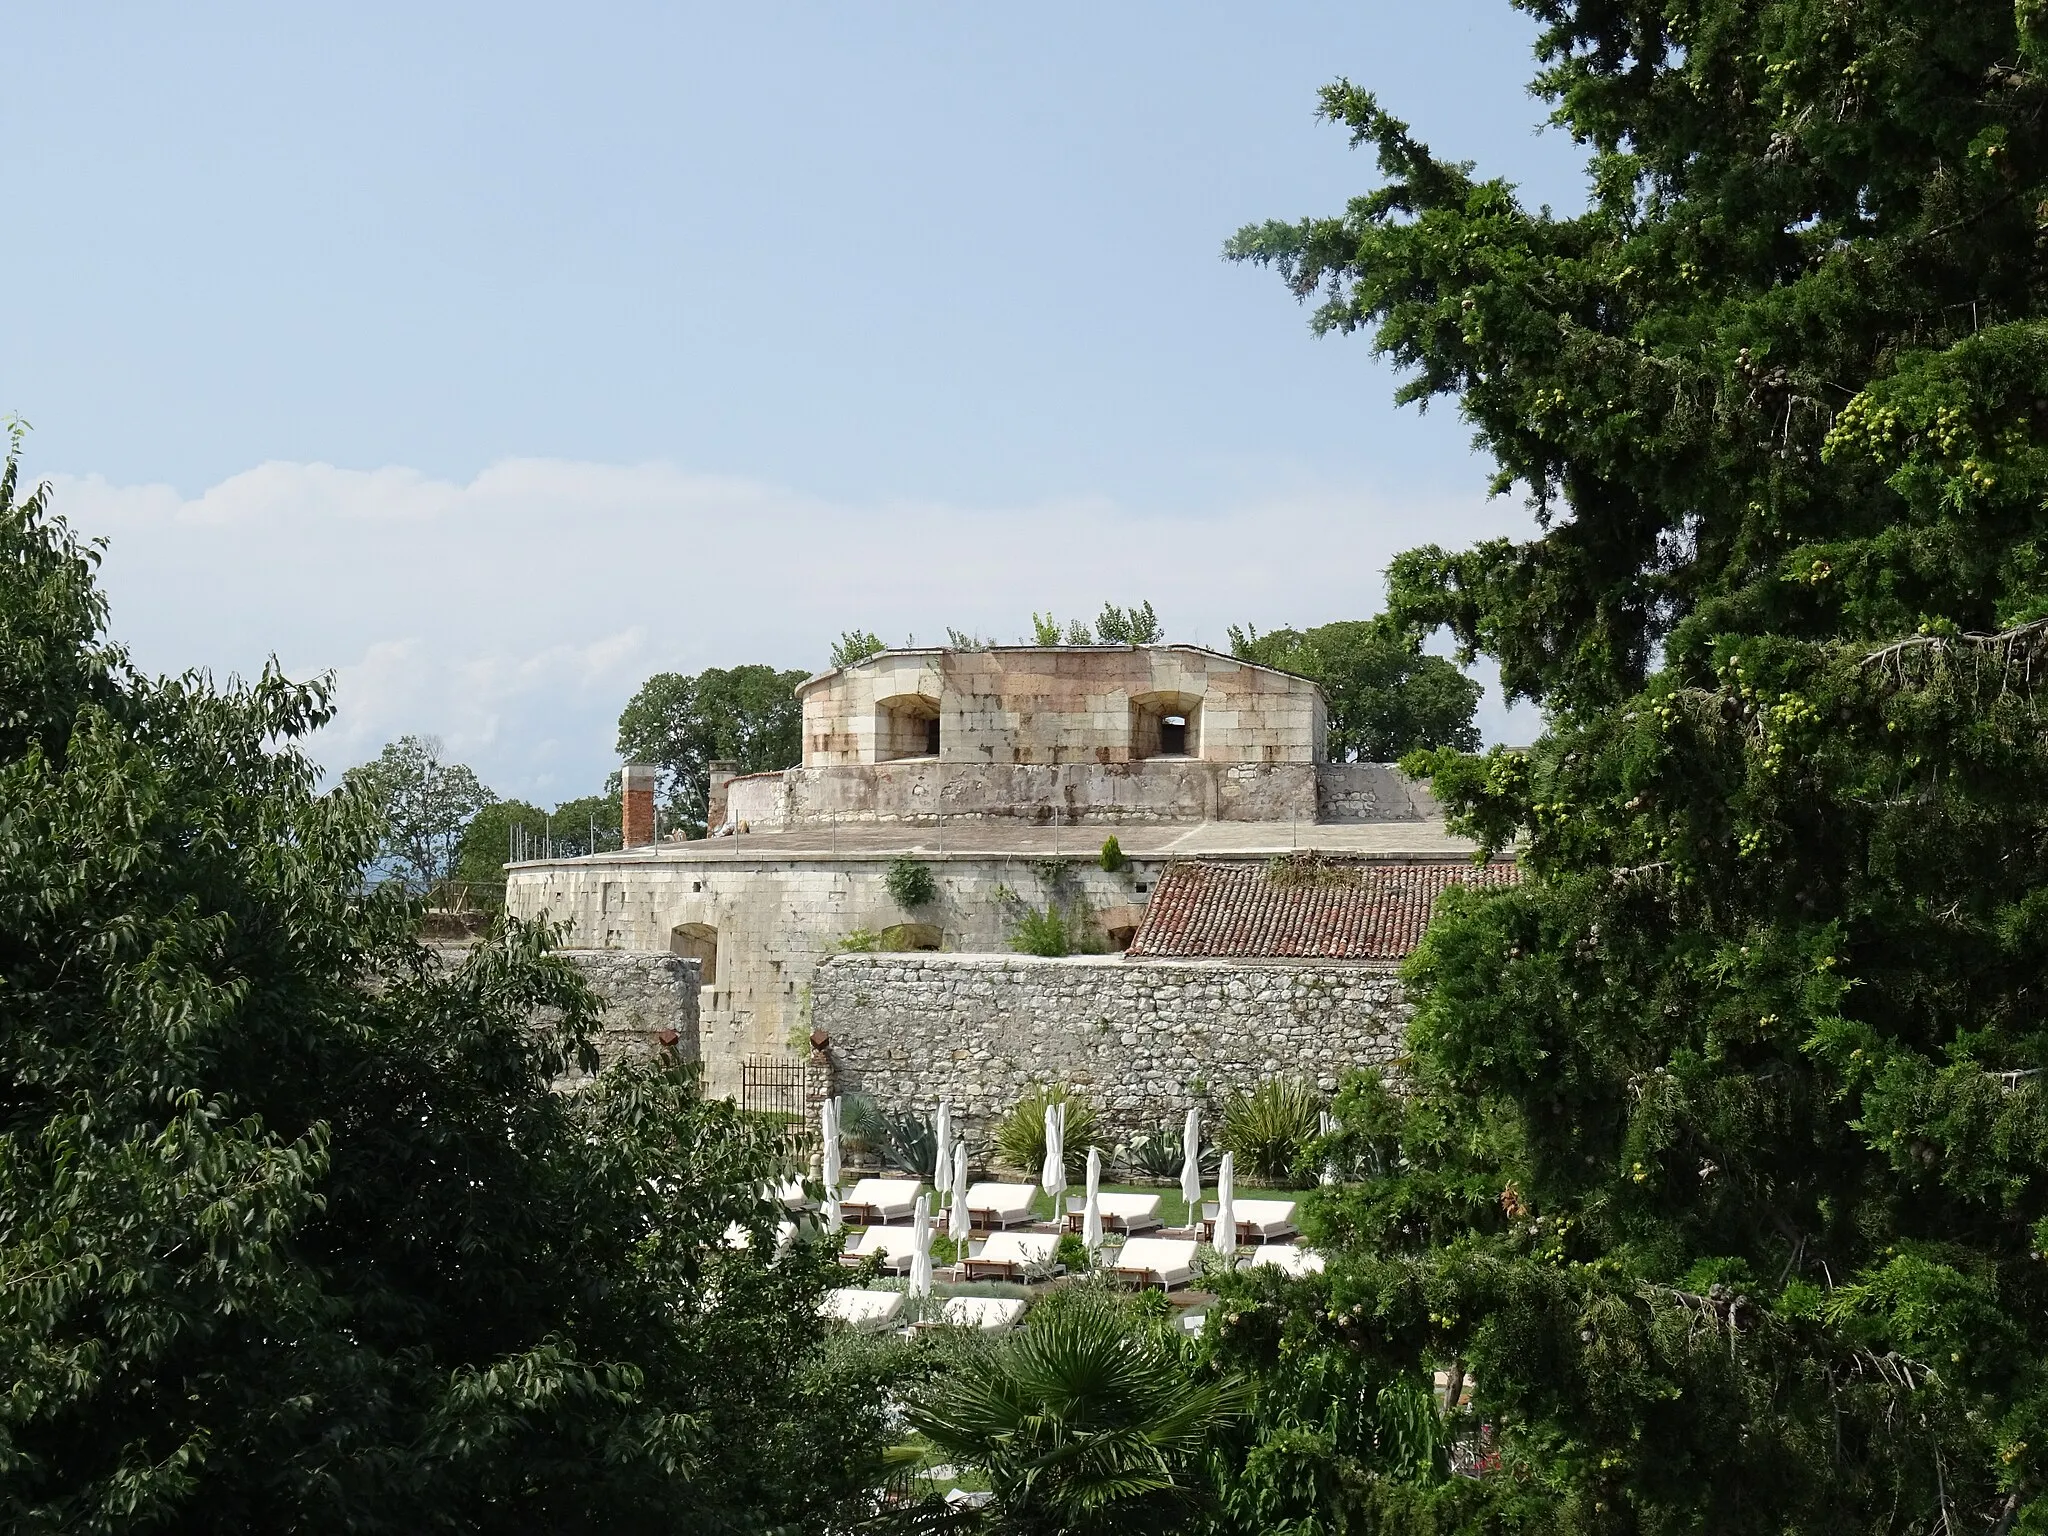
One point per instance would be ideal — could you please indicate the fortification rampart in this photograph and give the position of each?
(1144, 1040)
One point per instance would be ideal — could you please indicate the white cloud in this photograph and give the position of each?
(513, 615)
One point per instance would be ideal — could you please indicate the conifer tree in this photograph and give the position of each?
(1724, 1166)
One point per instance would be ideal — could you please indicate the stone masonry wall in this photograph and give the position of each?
(644, 995)
(1143, 1039)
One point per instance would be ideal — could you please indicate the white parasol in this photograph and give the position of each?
(942, 1159)
(921, 1247)
(956, 1227)
(1091, 1213)
(1052, 1178)
(1224, 1238)
(828, 1131)
(1191, 1165)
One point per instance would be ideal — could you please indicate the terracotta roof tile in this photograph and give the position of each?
(1238, 910)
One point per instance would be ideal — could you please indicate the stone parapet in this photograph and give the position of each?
(1143, 1040)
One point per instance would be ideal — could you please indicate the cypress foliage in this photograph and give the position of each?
(1723, 1167)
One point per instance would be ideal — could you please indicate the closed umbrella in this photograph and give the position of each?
(828, 1131)
(1191, 1165)
(942, 1159)
(1224, 1239)
(957, 1227)
(921, 1247)
(1091, 1213)
(1052, 1178)
(1326, 1127)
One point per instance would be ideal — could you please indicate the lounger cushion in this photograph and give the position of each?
(1296, 1261)
(863, 1309)
(886, 1197)
(1168, 1260)
(1015, 1250)
(1001, 1204)
(994, 1313)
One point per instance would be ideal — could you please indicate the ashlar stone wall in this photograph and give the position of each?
(1143, 1039)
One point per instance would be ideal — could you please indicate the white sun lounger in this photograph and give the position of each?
(995, 1314)
(1009, 1255)
(1120, 1213)
(1258, 1221)
(791, 1193)
(866, 1310)
(999, 1205)
(737, 1236)
(1296, 1261)
(893, 1244)
(873, 1200)
(1161, 1261)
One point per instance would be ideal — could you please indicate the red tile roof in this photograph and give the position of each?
(1239, 910)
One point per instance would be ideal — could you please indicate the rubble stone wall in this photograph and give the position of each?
(644, 995)
(1143, 1039)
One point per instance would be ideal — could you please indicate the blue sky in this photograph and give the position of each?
(497, 357)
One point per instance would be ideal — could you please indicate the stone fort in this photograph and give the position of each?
(1001, 771)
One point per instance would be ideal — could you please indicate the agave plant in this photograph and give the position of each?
(1269, 1127)
(903, 1141)
(1157, 1155)
(1085, 1422)
(1020, 1139)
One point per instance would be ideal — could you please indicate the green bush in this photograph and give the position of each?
(1042, 933)
(905, 1142)
(1113, 855)
(1070, 1254)
(1020, 1141)
(1269, 1127)
(911, 884)
(861, 941)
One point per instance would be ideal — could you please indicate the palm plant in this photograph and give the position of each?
(1269, 1127)
(1086, 1422)
(1020, 1139)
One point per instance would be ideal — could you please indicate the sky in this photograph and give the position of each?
(494, 358)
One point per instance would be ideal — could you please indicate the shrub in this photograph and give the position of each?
(1157, 1154)
(1113, 855)
(1070, 1254)
(1269, 1127)
(1020, 1141)
(861, 941)
(905, 1142)
(1042, 933)
(911, 884)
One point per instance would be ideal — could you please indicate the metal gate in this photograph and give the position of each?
(781, 1091)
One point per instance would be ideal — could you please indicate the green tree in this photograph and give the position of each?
(296, 1233)
(423, 807)
(1723, 1164)
(749, 715)
(1386, 697)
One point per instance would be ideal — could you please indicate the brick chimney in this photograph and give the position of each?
(720, 772)
(637, 814)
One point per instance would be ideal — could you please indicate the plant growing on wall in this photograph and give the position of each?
(861, 941)
(856, 646)
(1042, 933)
(1268, 1127)
(1113, 859)
(1020, 1140)
(911, 884)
